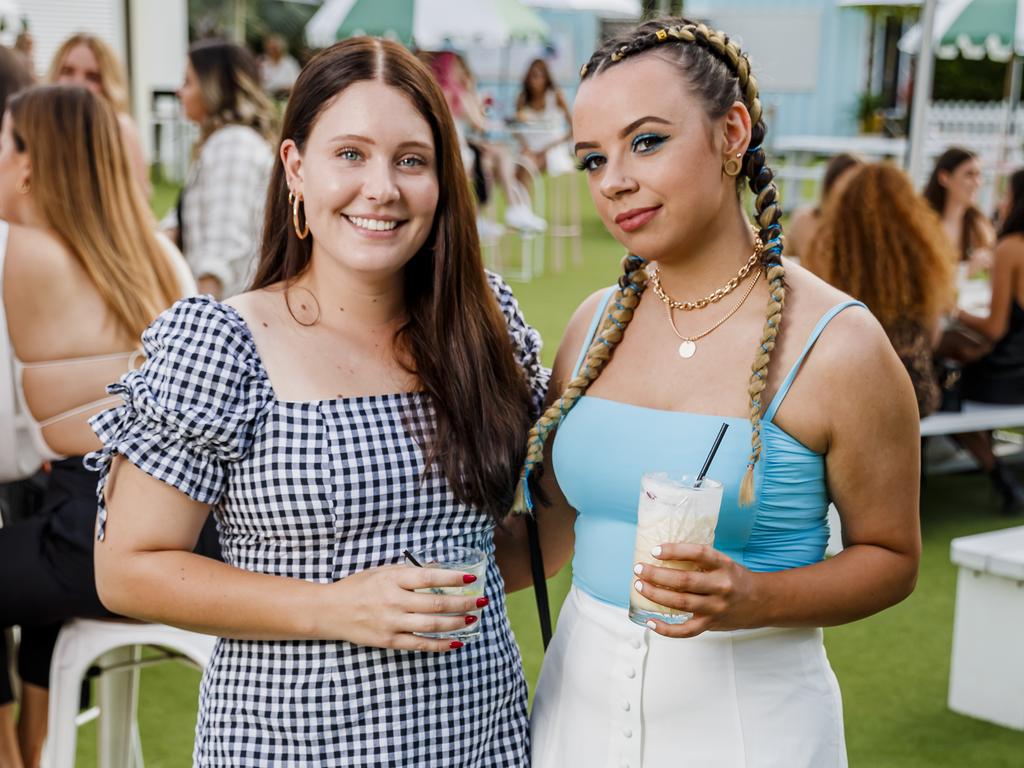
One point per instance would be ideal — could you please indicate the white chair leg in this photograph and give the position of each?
(65, 688)
(118, 693)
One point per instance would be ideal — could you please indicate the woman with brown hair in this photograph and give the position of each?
(86, 60)
(83, 273)
(217, 219)
(708, 324)
(368, 396)
(882, 244)
(952, 190)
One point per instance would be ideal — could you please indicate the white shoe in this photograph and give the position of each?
(522, 218)
(488, 230)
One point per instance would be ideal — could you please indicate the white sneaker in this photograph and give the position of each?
(522, 218)
(488, 230)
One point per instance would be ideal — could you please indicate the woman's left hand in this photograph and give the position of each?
(719, 593)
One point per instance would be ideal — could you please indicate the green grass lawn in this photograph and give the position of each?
(893, 668)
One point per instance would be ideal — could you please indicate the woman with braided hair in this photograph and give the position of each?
(667, 122)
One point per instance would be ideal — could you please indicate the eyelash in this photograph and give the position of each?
(655, 139)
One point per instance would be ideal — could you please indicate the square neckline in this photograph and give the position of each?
(312, 403)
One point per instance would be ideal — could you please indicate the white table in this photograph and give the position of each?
(986, 678)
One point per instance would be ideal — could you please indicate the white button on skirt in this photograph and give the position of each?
(614, 694)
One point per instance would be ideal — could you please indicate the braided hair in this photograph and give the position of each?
(719, 74)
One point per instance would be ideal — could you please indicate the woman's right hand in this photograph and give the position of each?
(379, 607)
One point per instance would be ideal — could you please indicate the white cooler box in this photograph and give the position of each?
(986, 677)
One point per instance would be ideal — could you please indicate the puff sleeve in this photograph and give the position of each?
(193, 407)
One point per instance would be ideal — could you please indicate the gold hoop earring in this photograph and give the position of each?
(732, 166)
(300, 232)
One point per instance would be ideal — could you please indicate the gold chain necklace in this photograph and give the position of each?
(718, 295)
(688, 346)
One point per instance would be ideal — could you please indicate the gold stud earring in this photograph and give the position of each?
(732, 166)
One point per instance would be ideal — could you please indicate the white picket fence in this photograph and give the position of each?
(981, 127)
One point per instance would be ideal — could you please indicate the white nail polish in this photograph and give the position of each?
(656, 551)
(650, 624)
(638, 569)
(638, 585)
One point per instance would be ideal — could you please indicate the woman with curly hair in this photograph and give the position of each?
(882, 244)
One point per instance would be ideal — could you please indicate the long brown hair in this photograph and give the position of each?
(82, 184)
(882, 244)
(718, 73)
(456, 336)
(935, 194)
(229, 86)
(113, 84)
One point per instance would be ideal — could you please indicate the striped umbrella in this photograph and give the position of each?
(428, 24)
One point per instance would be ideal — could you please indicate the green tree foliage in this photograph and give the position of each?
(964, 80)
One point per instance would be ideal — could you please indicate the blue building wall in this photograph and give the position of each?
(779, 36)
(827, 109)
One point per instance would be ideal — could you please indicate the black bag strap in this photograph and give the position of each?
(540, 584)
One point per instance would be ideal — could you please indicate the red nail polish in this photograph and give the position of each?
(481, 602)
(468, 578)
(470, 619)
(455, 644)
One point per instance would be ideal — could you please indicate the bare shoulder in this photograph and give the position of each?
(36, 257)
(574, 338)
(1010, 248)
(258, 308)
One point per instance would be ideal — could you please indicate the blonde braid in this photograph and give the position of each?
(620, 311)
(689, 35)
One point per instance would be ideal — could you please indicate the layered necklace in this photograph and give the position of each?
(688, 344)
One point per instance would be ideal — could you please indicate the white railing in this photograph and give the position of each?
(984, 128)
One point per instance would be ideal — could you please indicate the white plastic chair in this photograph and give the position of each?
(116, 647)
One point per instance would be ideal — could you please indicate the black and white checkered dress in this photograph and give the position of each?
(318, 491)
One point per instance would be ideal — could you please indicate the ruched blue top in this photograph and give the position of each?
(603, 447)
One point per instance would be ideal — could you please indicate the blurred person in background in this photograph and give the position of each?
(459, 88)
(952, 190)
(803, 227)
(278, 68)
(542, 111)
(24, 47)
(84, 274)
(219, 213)
(878, 241)
(84, 59)
(999, 376)
(13, 74)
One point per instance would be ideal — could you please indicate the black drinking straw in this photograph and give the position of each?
(411, 559)
(711, 456)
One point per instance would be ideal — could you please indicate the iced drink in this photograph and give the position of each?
(671, 511)
(465, 560)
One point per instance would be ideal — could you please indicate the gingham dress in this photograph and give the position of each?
(318, 491)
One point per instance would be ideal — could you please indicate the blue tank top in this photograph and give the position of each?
(603, 447)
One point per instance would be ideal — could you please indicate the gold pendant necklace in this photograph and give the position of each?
(688, 345)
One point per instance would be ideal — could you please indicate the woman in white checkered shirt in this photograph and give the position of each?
(370, 395)
(218, 217)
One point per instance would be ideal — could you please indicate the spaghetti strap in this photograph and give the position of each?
(811, 340)
(589, 339)
(132, 356)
